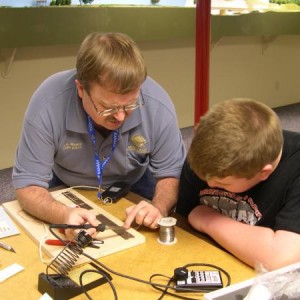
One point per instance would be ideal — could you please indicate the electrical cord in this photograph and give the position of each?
(101, 273)
(102, 265)
(122, 275)
(161, 287)
(165, 286)
(84, 187)
(165, 291)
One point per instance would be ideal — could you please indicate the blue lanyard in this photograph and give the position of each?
(99, 165)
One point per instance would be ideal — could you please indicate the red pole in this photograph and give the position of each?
(203, 10)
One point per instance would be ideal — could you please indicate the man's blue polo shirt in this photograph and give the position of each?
(55, 138)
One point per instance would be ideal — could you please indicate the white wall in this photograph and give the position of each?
(29, 68)
(250, 67)
(240, 67)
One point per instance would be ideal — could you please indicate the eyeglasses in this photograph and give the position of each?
(126, 108)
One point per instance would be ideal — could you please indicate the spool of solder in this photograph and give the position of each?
(167, 231)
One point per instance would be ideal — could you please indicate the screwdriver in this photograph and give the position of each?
(7, 247)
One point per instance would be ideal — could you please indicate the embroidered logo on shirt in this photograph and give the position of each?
(72, 146)
(138, 141)
(138, 144)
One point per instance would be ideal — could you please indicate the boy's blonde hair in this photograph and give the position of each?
(237, 137)
(111, 60)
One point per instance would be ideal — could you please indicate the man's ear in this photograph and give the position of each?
(266, 171)
(80, 88)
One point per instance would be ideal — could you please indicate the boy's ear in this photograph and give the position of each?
(266, 171)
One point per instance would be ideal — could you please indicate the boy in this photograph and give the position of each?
(241, 183)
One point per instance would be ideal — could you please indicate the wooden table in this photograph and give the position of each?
(140, 261)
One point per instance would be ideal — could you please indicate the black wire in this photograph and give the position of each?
(165, 291)
(101, 273)
(58, 237)
(156, 285)
(166, 287)
(159, 289)
(123, 275)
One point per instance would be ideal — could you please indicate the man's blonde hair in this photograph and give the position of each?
(237, 137)
(111, 60)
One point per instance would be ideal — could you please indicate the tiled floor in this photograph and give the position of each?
(7, 192)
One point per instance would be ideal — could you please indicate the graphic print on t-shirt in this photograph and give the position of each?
(237, 207)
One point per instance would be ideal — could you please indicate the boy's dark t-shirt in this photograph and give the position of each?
(274, 203)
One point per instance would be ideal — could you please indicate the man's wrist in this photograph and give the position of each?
(164, 211)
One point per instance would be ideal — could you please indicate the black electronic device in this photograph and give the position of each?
(197, 280)
(61, 287)
(115, 192)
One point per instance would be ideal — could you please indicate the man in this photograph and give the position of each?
(104, 122)
(241, 183)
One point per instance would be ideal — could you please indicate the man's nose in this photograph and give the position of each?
(120, 115)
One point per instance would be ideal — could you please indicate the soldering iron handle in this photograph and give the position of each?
(100, 227)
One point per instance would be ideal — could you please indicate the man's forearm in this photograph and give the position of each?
(38, 202)
(166, 194)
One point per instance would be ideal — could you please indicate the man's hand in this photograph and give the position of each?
(38, 202)
(80, 216)
(149, 213)
(143, 213)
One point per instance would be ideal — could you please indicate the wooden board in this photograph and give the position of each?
(114, 241)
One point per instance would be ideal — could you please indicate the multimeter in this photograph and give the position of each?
(116, 191)
(202, 279)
